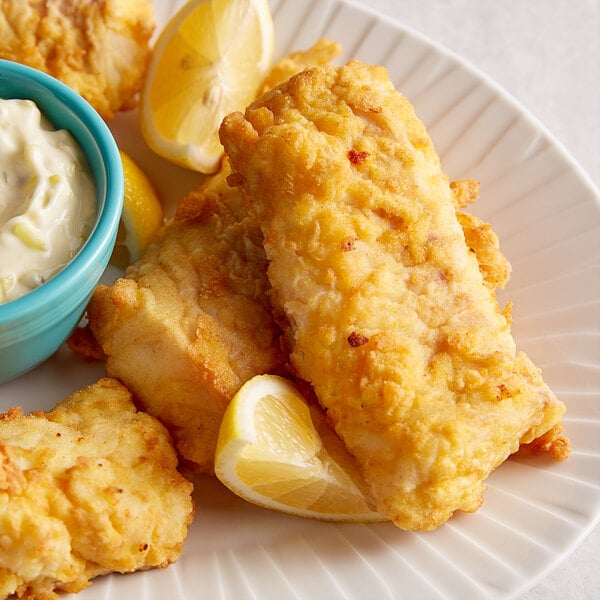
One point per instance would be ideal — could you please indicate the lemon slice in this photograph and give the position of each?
(274, 451)
(141, 218)
(209, 60)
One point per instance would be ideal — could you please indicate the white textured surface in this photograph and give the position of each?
(548, 220)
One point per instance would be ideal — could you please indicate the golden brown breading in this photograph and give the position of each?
(100, 49)
(484, 243)
(390, 317)
(191, 322)
(480, 238)
(87, 488)
(552, 443)
(464, 191)
(83, 343)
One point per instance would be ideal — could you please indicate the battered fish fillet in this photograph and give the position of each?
(89, 488)
(100, 48)
(190, 322)
(389, 315)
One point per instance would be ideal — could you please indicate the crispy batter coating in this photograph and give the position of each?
(389, 314)
(552, 443)
(480, 237)
(88, 488)
(100, 49)
(484, 243)
(190, 322)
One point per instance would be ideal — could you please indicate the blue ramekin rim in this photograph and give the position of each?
(96, 251)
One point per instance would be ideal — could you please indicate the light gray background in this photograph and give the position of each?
(546, 53)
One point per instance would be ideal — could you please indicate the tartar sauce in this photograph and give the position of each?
(47, 198)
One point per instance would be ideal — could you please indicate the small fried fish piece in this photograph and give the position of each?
(88, 488)
(100, 49)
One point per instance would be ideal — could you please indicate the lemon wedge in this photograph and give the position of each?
(141, 218)
(277, 452)
(209, 60)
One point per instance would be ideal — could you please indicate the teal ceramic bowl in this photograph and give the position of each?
(33, 326)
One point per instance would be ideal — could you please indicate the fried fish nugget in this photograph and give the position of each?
(101, 49)
(88, 488)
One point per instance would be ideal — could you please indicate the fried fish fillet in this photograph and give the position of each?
(100, 49)
(191, 322)
(389, 315)
(88, 488)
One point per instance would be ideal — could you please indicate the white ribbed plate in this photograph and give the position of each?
(547, 215)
